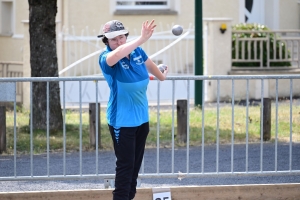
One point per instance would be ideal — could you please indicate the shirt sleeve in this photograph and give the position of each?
(103, 64)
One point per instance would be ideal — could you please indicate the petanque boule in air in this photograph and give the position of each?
(177, 30)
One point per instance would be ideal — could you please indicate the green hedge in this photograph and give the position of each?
(262, 28)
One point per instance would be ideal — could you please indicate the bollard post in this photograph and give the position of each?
(2, 129)
(182, 120)
(267, 119)
(92, 122)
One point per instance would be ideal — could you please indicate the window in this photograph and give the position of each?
(6, 18)
(145, 7)
(142, 5)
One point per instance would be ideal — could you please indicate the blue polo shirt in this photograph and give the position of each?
(128, 80)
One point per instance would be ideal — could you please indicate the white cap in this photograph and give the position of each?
(113, 29)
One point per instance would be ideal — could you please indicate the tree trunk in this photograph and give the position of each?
(43, 60)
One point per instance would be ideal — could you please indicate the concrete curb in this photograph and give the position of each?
(220, 192)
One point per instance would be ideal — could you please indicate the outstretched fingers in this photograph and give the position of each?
(147, 29)
(152, 25)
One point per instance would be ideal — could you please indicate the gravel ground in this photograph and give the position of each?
(107, 161)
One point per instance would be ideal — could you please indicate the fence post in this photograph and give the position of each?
(182, 120)
(267, 119)
(2, 129)
(92, 122)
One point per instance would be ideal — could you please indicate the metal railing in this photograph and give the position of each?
(179, 55)
(13, 69)
(27, 172)
(283, 49)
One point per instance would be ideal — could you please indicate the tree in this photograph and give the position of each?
(43, 61)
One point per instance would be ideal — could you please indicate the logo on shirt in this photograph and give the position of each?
(138, 60)
(124, 65)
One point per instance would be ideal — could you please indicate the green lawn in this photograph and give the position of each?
(165, 137)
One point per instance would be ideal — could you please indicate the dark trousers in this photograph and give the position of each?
(129, 146)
